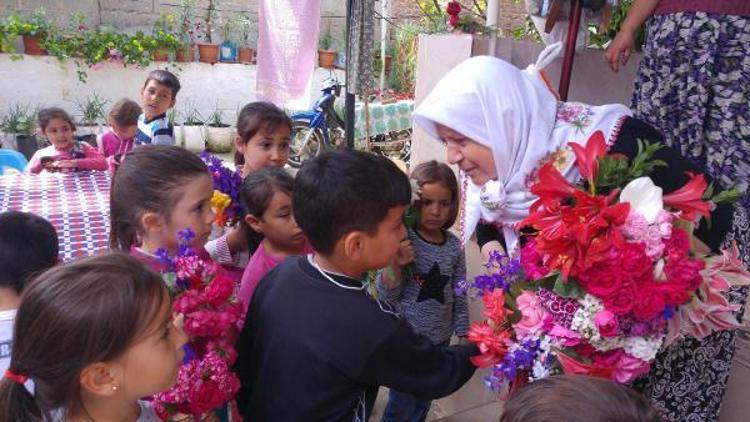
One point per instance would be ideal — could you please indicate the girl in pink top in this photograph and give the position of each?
(123, 121)
(65, 154)
(267, 197)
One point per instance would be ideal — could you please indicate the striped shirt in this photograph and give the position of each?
(157, 131)
(427, 298)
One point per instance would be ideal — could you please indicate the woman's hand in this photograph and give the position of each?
(619, 51)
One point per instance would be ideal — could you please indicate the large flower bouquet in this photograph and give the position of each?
(226, 199)
(206, 297)
(609, 275)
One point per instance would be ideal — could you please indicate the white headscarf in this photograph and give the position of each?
(513, 113)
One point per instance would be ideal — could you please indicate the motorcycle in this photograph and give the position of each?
(319, 128)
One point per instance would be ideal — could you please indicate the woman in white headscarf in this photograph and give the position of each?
(500, 124)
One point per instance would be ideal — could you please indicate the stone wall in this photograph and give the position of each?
(141, 14)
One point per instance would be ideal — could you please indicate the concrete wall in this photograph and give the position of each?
(44, 81)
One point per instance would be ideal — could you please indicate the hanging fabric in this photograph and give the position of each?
(359, 73)
(287, 43)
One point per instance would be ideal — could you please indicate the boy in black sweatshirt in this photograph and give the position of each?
(315, 342)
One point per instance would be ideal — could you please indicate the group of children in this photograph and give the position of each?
(130, 125)
(93, 337)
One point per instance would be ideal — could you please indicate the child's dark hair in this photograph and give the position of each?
(435, 172)
(87, 311)
(47, 114)
(147, 181)
(166, 78)
(28, 246)
(125, 112)
(256, 117)
(571, 398)
(339, 192)
(258, 189)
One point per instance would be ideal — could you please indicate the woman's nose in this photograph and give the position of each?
(453, 154)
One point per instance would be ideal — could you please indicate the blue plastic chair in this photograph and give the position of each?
(12, 159)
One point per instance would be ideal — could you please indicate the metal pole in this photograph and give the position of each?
(570, 48)
(493, 14)
(349, 98)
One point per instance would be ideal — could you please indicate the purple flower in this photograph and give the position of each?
(503, 271)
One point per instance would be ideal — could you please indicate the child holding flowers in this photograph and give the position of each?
(161, 214)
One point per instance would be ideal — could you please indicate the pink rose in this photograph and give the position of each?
(531, 261)
(649, 303)
(606, 323)
(533, 316)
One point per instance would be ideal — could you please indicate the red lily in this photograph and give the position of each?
(572, 366)
(688, 198)
(551, 186)
(587, 159)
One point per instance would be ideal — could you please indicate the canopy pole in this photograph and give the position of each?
(570, 48)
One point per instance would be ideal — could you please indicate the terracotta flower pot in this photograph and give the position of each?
(160, 56)
(245, 55)
(208, 53)
(32, 46)
(184, 55)
(326, 59)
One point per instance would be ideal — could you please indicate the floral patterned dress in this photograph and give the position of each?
(692, 86)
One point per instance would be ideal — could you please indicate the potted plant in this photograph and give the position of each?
(92, 115)
(220, 136)
(18, 126)
(68, 42)
(235, 35)
(193, 129)
(185, 18)
(208, 52)
(326, 54)
(33, 30)
(245, 50)
(166, 39)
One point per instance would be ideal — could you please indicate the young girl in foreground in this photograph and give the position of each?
(91, 338)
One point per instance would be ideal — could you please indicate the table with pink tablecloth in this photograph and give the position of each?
(77, 204)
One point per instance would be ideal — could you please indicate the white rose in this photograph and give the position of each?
(644, 197)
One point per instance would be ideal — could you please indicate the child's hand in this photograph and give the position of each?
(405, 254)
(64, 164)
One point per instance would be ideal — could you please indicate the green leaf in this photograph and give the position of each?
(514, 317)
(548, 282)
(729, 196)
(569, 288)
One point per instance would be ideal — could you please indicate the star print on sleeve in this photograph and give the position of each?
(433, 286)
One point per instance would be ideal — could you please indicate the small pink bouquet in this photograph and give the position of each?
(205, 295)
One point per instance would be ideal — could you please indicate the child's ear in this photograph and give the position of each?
(354, 245)
(101, 379)
(254, 223)
(151, 221)
(239, 145)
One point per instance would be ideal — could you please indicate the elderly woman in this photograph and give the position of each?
(501, 124)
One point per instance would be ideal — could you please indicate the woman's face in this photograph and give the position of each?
(470, 156)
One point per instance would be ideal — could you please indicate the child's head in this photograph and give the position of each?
(267, 197)
(438, 203)
(350, 204)
(158, 191)
(57, 126)
(263, 132)
(99, 328)
(569, 398)
(28, 245)
(159, 93)
(123, 118)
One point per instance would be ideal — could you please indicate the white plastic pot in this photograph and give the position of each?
(220, 139)
(193, 138)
